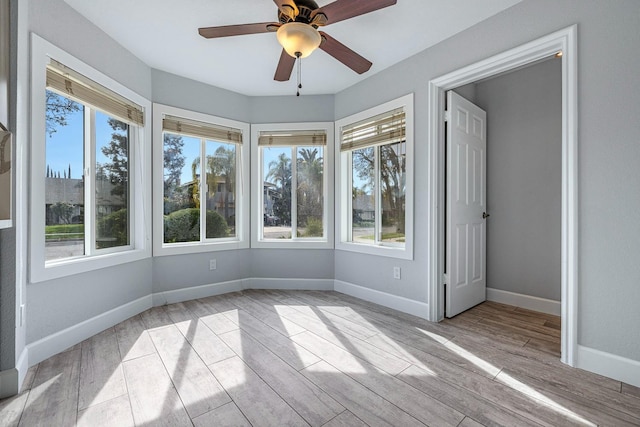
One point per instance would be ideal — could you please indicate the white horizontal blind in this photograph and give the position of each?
(75, 86)
(202, 130)
(307, 138)
(384, 128)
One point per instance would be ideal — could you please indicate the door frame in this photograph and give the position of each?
(564, 41)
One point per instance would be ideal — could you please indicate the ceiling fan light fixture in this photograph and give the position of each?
(298, 39)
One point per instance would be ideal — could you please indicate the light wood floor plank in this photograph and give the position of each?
(156, 317)
(11, 409)
(219, 323)
(419, 405)
(481, 400)
(258, 402)
(469, 422)
(154, 400)
(356, 346)
(314, 405)
(265, 314)
(114, 412)
(133, 339)
(227, 415)
(358, 399)
(199, 391)
(101, 376)
(583, 408)
(53, 398)
(296, 356)
(630, 390)
(209, 347)
(345, 419)
(310, 354)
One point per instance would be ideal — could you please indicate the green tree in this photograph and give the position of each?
(280, 174)
(62, 211)
(58, 108)
(221, 166)
(309, 182)
(116, 170)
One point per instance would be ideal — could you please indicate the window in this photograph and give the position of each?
(199, 171)
(376, 177)
(88, 187)
(291, 185)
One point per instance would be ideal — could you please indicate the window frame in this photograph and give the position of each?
(344, 178)
(139, 180)
(257, 219)
(241, 240)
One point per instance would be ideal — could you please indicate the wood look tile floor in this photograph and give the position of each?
(289, 358)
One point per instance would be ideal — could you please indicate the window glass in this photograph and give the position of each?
(111, 182)
(277, 192)
(310, 191)
(392, 190)
(181, 188)
(221, 190)
(64, 178)
(363, 202)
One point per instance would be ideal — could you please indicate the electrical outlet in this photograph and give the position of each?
(396, 273)
(212, 264)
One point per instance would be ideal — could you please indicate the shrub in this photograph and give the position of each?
(314, 228)
(184, 225)
(112, 230)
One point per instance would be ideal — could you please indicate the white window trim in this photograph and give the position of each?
(257, 220)
(343, 184)
(241, 241)
(140, 153)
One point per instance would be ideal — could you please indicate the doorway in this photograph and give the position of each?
(563, 41)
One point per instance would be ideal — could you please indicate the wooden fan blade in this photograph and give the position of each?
(285, 67)
(237, 30)
(343, 54)
(340, 10)
(288, 7)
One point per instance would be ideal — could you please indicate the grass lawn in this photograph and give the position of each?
(64, 232)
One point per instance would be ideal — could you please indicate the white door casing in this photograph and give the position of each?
(466, 205)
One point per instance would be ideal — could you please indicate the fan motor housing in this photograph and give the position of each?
(305, 8)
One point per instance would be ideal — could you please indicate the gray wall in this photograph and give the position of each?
(609, 200)
(524, 177)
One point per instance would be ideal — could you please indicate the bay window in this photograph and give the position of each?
(200, 182)
(291, 185)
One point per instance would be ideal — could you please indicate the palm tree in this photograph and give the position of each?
(309, 191)
(280, 173)
(220, 165)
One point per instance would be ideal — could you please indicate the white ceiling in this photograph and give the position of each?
(163, 34)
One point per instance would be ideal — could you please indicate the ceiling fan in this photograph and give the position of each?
(297, 31)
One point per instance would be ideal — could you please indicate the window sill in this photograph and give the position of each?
(385, 251)
(291, 244)
(63, 268)
(194, 248)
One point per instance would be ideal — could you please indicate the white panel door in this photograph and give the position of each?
(466, 205)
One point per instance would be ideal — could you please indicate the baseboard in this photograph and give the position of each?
(60, 341)
(395, 302)
(289, 284)
(542, 305)
(195, 292)
(609, 365)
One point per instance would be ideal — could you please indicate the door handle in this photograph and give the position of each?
(485, 215)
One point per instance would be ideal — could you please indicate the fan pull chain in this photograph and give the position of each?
(299, 60)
